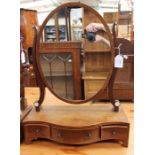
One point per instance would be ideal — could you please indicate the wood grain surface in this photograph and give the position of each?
(42, 147)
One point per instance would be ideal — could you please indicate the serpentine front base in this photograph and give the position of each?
(77, 124)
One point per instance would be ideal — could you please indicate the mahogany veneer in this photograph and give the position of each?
(76, 125)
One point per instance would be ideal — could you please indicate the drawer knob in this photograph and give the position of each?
(88, 135)
(113, 133)
(60, 134)
(37, 130)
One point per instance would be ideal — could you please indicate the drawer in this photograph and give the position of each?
(75, 136)
(114, 132)
(34, 131)
(94, 85)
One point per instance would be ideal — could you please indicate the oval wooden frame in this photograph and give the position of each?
(37, 54)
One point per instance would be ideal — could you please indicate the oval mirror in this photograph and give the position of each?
(75, 53)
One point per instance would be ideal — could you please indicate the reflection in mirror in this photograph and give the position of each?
(58, 73)
(49, 33)
(76, 24)
(75, 54)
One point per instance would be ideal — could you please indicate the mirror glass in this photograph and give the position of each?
(75, 53)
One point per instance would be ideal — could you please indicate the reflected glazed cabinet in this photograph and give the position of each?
(61, 62)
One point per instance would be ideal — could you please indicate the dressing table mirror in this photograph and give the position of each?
(76, 68)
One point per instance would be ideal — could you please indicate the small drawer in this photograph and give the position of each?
(34, 131)
(114, 132)
(75, 136)
(94, 85)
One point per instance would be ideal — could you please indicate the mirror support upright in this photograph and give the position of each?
(40, 84)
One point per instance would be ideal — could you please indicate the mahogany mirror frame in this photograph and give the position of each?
(42, 83)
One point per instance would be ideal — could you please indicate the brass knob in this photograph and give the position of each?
(37, 130)
(60, 134)
(88, 135)
(114, 133)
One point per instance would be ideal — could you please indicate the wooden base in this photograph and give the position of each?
(77, 124)
(23, 114)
